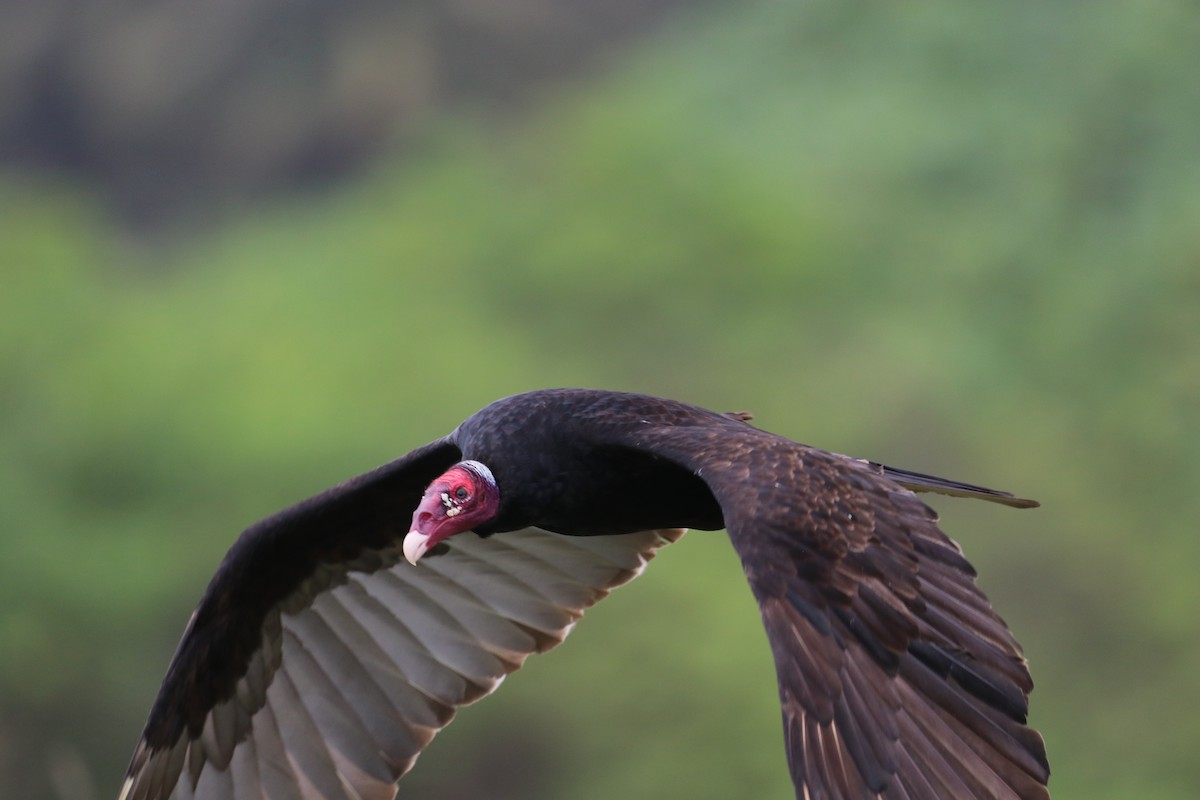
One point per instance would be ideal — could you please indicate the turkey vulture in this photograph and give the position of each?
(338, 636)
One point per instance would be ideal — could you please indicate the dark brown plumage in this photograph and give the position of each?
(320, 663)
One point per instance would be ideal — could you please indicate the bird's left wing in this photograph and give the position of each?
(897, 680)
(317, 668)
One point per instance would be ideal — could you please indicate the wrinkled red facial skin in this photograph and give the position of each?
(445, 511)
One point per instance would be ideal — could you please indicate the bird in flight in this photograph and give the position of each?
(341, 634)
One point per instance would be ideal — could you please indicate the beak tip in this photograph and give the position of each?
(415, 546)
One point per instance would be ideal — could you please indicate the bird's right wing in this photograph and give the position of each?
(352, 681)
(320, 663)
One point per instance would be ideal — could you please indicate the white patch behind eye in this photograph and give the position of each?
(481, 470)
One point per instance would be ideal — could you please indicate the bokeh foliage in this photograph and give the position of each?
(959, 239)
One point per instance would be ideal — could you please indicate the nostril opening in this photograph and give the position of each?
(424, 517)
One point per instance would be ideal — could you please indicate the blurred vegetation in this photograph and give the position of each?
(175, 109)
(960, 239)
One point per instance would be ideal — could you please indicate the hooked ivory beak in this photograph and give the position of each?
(415, 545)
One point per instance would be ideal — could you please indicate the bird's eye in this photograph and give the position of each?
(461, 493)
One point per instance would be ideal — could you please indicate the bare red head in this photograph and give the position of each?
(461, 498)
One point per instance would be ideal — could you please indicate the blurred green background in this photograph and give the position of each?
(958, 238)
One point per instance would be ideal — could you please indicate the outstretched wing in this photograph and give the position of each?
(319, 663)
(896, 677)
